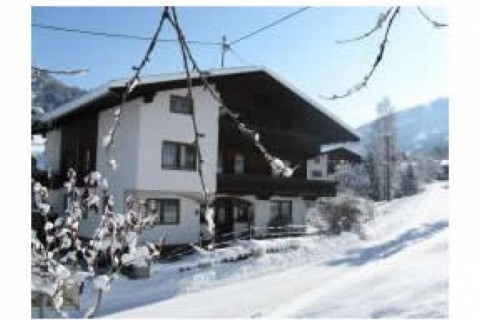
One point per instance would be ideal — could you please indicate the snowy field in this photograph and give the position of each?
(398, 267)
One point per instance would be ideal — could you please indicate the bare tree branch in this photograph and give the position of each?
(182, 43)
(359, 86)
(382, 17)
(134, 80)
(435, 23)
(276, 164)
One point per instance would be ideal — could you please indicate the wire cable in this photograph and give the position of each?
(268, 26)
(235, 53)
(117, 35)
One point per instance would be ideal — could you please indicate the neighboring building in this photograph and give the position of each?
(332, 157)
(444, 168)
(157, 158)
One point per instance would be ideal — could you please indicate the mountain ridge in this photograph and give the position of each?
(420, 129)
(49, 93)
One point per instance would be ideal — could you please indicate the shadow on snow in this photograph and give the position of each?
(359, 257)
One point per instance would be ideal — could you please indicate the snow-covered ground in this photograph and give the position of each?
(398, 269)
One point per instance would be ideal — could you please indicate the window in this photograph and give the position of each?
(310, 204)
(180, 104)
(331, 166)
(239, 164)
(167, 210)
(241, 212)
(220, 216)
(280, 212)
(179, 156)
(316, 173)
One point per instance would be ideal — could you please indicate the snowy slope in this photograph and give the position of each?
(400, 270)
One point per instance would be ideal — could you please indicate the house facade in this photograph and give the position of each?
(331, 159)
(154, 146)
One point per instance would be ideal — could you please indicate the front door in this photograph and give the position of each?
(224, 221)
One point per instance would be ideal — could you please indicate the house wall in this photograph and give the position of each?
(52, 149)
(125, 150)
(138, 150)
(317, 164)
(262, 215)
(188, 228)
(157, 123)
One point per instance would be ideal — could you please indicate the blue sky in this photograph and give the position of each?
(302, 49)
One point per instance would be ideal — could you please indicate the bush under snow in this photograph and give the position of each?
(342, 213)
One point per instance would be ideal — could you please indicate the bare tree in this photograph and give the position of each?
(384, 149)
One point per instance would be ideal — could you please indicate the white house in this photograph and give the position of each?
(157, 158)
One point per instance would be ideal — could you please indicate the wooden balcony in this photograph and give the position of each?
(265, 186)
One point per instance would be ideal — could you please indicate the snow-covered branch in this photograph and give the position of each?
(362, 84)
(435, 23)
(61, 259)
(382, 17)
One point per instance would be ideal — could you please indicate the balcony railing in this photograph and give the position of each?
(264, 186)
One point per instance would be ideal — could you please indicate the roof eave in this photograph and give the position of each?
(319, 107)
(75, 105)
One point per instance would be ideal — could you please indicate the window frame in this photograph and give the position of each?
(178, 97)
(280, 206)
(317, 173)
(160, 208)
(180, 162)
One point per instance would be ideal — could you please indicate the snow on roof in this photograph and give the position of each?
(161, 78)
(334, 146)
(167, 77)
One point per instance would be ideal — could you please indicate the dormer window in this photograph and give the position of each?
(181, 104)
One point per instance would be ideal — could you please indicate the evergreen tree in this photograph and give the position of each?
(409, 185)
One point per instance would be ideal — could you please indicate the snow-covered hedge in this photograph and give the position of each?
(240, 250)
(341, 213)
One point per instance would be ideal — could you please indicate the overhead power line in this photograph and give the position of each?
(117, 35)
(271, 24)
(235, 53)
